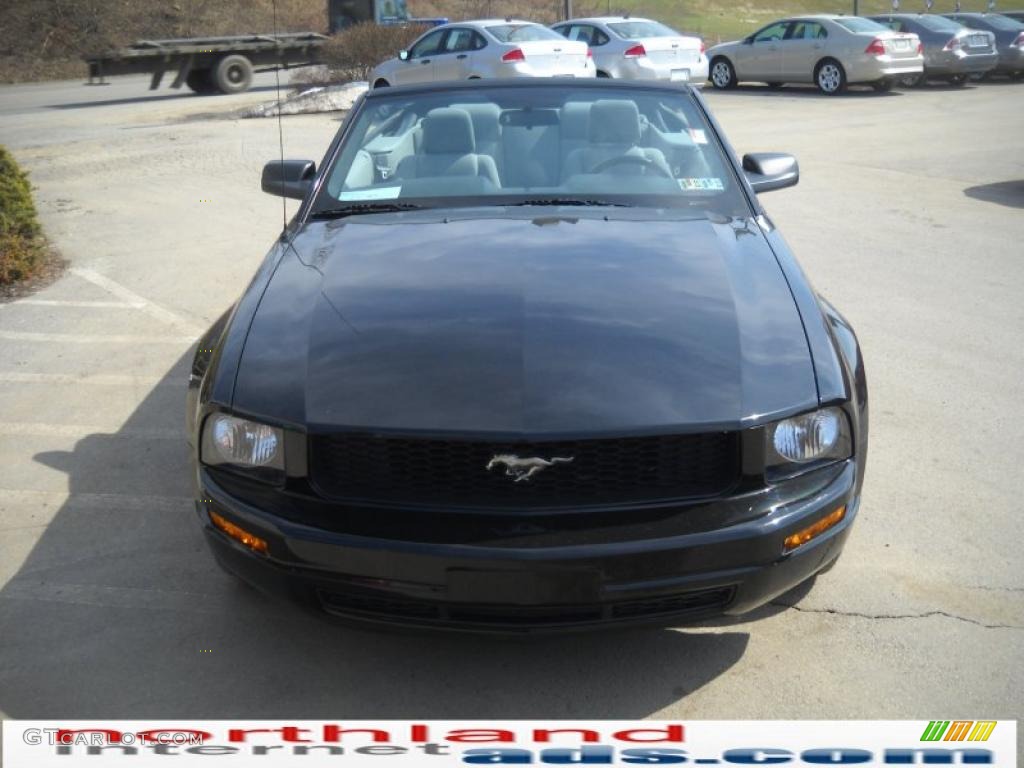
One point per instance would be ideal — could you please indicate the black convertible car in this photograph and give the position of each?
(530, 356)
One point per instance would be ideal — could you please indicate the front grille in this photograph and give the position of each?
(454, 472)
(406, 610)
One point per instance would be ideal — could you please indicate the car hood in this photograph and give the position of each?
(525, 325)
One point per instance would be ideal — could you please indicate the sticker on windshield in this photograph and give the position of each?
(698, 136)
(381, 193)
(702, 185)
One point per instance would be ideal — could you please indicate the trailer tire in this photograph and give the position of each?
(200, 82)
(233, 74)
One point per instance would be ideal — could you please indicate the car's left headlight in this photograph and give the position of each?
(233, 441)
(801, 442)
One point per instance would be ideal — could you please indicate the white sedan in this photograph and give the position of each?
(469, 50)
(639, 49)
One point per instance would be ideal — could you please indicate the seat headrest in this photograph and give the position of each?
(614, 121)
(448, 131)
(486, 120)
(576, 120)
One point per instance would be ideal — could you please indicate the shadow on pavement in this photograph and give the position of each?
(180, 94)
(119, 611)
(1008, 193)
(804, 91)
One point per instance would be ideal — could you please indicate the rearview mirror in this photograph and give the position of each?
(771, 170)
(748, 40)
(288, 178)
(403, 55)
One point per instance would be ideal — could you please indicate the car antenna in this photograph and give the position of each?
(280, 129)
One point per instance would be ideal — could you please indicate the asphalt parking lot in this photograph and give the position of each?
(909, 217)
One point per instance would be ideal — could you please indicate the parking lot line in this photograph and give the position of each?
(76, 338)
(71, 303)
(83, 430)
(140, 302)
(95, 379)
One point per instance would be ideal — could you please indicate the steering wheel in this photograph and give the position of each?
(643, 160)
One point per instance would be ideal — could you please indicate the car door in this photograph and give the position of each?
(452, 61)
(419, 66)
(761, 58)
(802, 49)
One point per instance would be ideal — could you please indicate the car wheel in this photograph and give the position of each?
(882, 86)
(381, 83)
(233, 74)
(1018, 75)
(830, 77)
(912, 81)
(958, 80)
(723, 76)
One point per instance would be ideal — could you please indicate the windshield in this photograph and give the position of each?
(631, 30)
(522, 33)
(545, 144)
(857, 24)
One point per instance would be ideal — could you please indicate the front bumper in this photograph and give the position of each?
(493, 588)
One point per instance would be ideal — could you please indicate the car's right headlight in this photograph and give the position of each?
(244, 444)
(801, 442)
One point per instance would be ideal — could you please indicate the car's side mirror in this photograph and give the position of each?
(288, 178)
(403, 55)
(771, 170)
(748, 40)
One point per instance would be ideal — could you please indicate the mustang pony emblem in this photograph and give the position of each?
(524, 469)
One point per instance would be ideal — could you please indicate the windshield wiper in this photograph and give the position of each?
(357, 209)
(571, 201)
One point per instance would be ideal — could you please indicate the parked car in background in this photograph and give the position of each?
(952, 52)
(1009, 39)
(501, 48)
(827, 50)
(639, 49)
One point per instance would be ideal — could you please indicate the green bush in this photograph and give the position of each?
(353, 53)
(21, 243)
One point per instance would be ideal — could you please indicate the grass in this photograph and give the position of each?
(715, 20)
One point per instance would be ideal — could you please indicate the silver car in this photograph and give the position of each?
(827, 50)
(952, 52)
(639, 49)
(489, 48)
(1009, 35)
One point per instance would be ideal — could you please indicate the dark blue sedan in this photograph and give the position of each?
(529, 357)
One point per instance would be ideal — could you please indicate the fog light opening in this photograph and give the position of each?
(801, 537)
(255, 543)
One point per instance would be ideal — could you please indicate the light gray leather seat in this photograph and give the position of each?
(448, 149)
(614, 132)
(486, 119)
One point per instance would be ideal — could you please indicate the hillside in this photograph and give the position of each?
(41, 39)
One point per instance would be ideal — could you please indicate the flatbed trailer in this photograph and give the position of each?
(209, 64)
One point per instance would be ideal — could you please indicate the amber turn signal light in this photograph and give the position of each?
(801, 537)
(255, 543)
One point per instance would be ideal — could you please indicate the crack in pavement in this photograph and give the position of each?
(927, 615)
